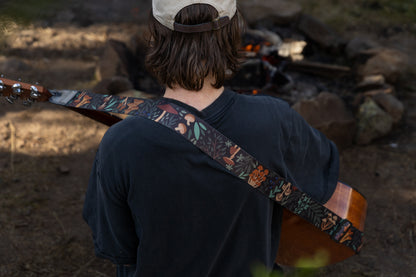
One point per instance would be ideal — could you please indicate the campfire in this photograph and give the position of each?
(328, 81)
(273, 65)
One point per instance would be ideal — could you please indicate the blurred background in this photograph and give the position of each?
(348, 67)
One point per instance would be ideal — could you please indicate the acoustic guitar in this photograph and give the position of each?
(299, 238)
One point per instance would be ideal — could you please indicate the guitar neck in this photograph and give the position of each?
(14, 90)
(102, 117)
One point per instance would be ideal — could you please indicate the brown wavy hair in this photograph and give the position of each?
(185, 59)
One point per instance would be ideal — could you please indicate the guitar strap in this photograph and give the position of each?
(235, 159)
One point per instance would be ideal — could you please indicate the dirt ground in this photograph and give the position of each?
(46, 153)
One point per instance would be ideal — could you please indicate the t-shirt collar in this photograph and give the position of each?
(214, 111)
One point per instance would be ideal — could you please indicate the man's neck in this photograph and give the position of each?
(197, 99)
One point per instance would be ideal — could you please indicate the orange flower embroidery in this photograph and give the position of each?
(257, 176)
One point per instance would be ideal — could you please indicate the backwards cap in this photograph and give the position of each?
(165, 12)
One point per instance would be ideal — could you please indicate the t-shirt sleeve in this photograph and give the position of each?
(312, 160)
(107, 213)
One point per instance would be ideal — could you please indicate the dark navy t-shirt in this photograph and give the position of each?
(157, 203)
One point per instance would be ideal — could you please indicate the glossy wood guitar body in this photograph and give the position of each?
(300, 239)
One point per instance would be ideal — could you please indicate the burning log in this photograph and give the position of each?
(319, 69)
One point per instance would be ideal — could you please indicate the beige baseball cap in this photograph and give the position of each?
(165, 12)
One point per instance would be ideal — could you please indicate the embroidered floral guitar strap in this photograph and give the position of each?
(232, 157)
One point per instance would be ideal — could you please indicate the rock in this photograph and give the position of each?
(119, 84)
(109, 64)
(372, 123)
(113, 85)
(393, 106)
(371, 82)
(114, 61)
(358, 45)
(63, 169)
(318, 32)
(279, 12)
(327, 113)
(390, 63)
(373, 85)
(270, 42)
(118, 60)
(411, 112)
(386, 89)
(301, 91)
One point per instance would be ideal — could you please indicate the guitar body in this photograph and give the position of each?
(299, 239)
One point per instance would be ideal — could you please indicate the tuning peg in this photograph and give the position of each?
(17, 89)
(27, 103)
(34, 92)
(1, 86)
(10, 99)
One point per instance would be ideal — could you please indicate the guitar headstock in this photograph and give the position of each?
(14, 90)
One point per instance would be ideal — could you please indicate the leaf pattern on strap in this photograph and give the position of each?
(231, 156)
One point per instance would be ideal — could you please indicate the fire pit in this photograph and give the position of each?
(304, 63)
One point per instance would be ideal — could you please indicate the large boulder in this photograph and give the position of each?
(278, 11)
(359, 44)
(373, 122)
(390, 63)
(113, 85)
(391, 105)
(110, 64)
(118, 60)
(319, 32)
(327, 113)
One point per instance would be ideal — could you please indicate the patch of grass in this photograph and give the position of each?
(305, 267)
(343, 14)
(23, 12)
